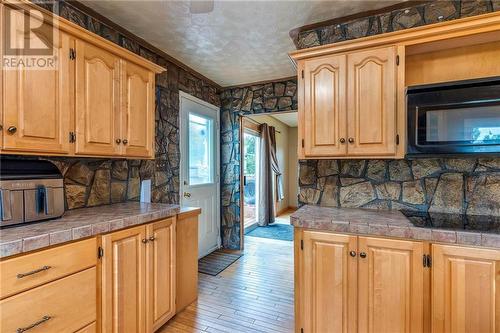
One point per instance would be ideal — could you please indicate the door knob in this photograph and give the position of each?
(125, 141)
(342, 140)
(152, 238)
(187, 195)
(351, 140)
(352, 253)
(145, 240)
(12, 129)
(362, 255)
(118, 141)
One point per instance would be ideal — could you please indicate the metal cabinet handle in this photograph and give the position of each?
(27, 328)
(352, 253)
(12, 129)
(351, 140)
(41, 269)
(342, 140)
(118, 141)
(145, 240)
(362, 255)
(152, 238)
(125, 141)
(187, 195)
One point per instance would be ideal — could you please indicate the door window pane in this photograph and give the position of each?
(201, 144)
(250, 181)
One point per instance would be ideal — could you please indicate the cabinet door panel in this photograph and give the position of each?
(160, 285)
(138, 111)
(97, 101)
(329, 283)
(324, 107)
(465, 289)
(124, 281)
(391, 286)
(38, 102)
(372, 102)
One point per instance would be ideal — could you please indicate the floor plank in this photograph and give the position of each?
(254, 294)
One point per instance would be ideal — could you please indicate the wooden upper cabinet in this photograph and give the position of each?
(98, 111)
(325, 106)
(329, 281)
(160, 284)
(390, 285)
(372, 91)
(465, 289)
(137, 111)
(38, 102)
(123, 281)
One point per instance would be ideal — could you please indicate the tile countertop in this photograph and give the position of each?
(385, 223)
(80, 223)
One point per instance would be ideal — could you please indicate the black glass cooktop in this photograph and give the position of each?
(482, 223)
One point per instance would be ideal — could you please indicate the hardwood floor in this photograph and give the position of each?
(255, 294)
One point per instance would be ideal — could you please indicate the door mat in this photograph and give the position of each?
(216, 262)
(274, 231)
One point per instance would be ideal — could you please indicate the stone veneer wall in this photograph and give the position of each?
(92, 182)
(462, 186)
(426, 13)
(459, 186)
(260, 98)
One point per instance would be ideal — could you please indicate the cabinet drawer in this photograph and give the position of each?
(65, 305)
(32, 270)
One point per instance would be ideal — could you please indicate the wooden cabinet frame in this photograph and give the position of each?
(82, 92)
(448, 46)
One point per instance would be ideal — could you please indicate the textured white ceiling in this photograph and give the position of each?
(290, 118)
(238, 42)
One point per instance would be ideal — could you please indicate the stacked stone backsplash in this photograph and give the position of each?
(277, 96)
(427, 12)
(94, 182)
(90, 182)
(460, 186)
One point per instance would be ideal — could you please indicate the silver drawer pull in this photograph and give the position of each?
(44, 268)
(27, 328)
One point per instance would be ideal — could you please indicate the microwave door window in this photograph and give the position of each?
(479, 125)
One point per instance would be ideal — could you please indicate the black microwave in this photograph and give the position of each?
(454, 117)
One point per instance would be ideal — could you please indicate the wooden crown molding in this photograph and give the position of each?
(480, 24)
(294, 33)
(288, 78)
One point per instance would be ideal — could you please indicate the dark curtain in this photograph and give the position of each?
(268, 168)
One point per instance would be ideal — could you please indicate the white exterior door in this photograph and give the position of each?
(199, 176)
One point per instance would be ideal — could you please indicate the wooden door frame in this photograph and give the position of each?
(241, 131)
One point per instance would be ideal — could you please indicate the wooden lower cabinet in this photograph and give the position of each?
(138, 278)
(465, 289)
(390, 285)
(160, 268)
(359, 284)
(328, 283)
(65, 306)
(123, 282)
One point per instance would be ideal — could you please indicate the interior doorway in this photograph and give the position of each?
(282, 193)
